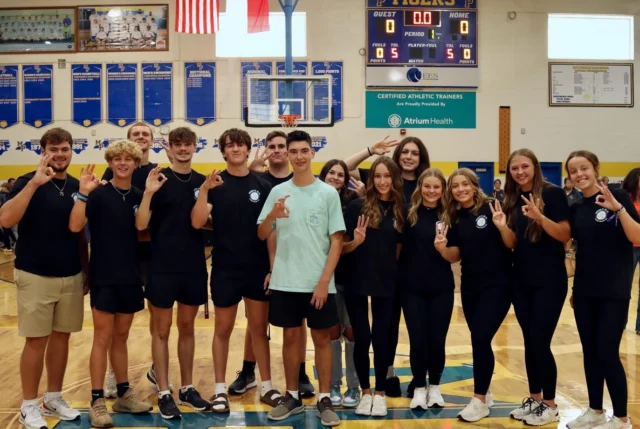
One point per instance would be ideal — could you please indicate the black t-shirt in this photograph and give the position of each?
(46, 246)
(374, 265)
(486, 261)
(604, 255)
(408, 186)
(139, 178)
(236, 207)
(422, 267)
(114, 237)
(541, 263)
(273, 180)
(342, 272)
(176, 247)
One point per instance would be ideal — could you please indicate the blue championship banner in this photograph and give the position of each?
(298, 99)
(86, 94)
(200, 92)
(8, 96)
(320, 107)
(37, 90)
(157, 93)
(261, 92)
(122, 98)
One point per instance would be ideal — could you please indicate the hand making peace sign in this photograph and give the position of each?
(441, 241)
(499, 218)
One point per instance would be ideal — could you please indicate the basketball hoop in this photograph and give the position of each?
(289, 121)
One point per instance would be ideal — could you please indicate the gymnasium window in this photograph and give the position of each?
(233, 41)
(590, 37)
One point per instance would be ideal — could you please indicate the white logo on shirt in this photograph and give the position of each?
(601, 215)
(254, 196)
(74, 197)
(196, 192)
(481, 222)
(135, 210)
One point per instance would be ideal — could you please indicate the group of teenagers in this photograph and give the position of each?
(318, 252)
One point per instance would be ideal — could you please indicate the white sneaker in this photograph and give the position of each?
(111, 389)
(615, 423)
(419, 399)
(474, 411)
(434, 398)
(58, 408)
(364, 407)
(379, 408)
(589, 419)
(543, 415)
(529, 405)
(489, 400)
(31, 418)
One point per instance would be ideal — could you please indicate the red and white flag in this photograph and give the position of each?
(258, 16)
(197, 16)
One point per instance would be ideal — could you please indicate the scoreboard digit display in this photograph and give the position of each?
(422, 43)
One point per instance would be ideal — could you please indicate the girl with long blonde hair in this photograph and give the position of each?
(538, 212)
(372, 244)
(477, 233)
(427, 297)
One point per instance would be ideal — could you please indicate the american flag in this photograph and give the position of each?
(197, 16)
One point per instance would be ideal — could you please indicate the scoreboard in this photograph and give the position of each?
(422, 43)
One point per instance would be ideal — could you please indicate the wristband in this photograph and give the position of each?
(82, 197)
(369, 150)
(622, 210)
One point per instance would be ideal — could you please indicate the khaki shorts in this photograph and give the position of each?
(48, 304)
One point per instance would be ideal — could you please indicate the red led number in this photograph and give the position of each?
(394, 53)
(421, 18)
(450, 55)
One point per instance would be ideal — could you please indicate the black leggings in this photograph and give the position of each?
(394, 331)
(364, 335)
(538, 311)
(601, 323)
(428, 318)
(484, 310)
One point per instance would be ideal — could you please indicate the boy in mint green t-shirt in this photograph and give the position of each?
(307, 218)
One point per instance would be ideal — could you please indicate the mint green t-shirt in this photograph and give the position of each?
(304, 237)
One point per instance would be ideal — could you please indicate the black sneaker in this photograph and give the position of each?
(242, 383)
(305, 387)
(168, 408)
(287, 407)
(193, 399)
(392, 387)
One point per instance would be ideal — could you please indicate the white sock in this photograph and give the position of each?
(391, 372)
(163, 392)
(322, 395)
(221, 388)
(50, 396)
(266, 386)
(294, 394)
(29, 402)
(183, 389)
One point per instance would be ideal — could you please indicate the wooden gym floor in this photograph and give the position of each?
(509, 384)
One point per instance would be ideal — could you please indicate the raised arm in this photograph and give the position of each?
(88, 183)
(201, 209)
(560, 231)
(500, 221)
(622, 210)
(450, 254)
(379, 148)
(359, 235)
(155, 180)
(13, 210)
(279, 210)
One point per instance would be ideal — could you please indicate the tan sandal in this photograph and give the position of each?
(217, 400)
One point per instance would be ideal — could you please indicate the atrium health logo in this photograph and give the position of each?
(395, 120)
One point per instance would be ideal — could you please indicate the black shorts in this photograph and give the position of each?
(289, 309)
(165, 289)
(117, 299)
(228, 289)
